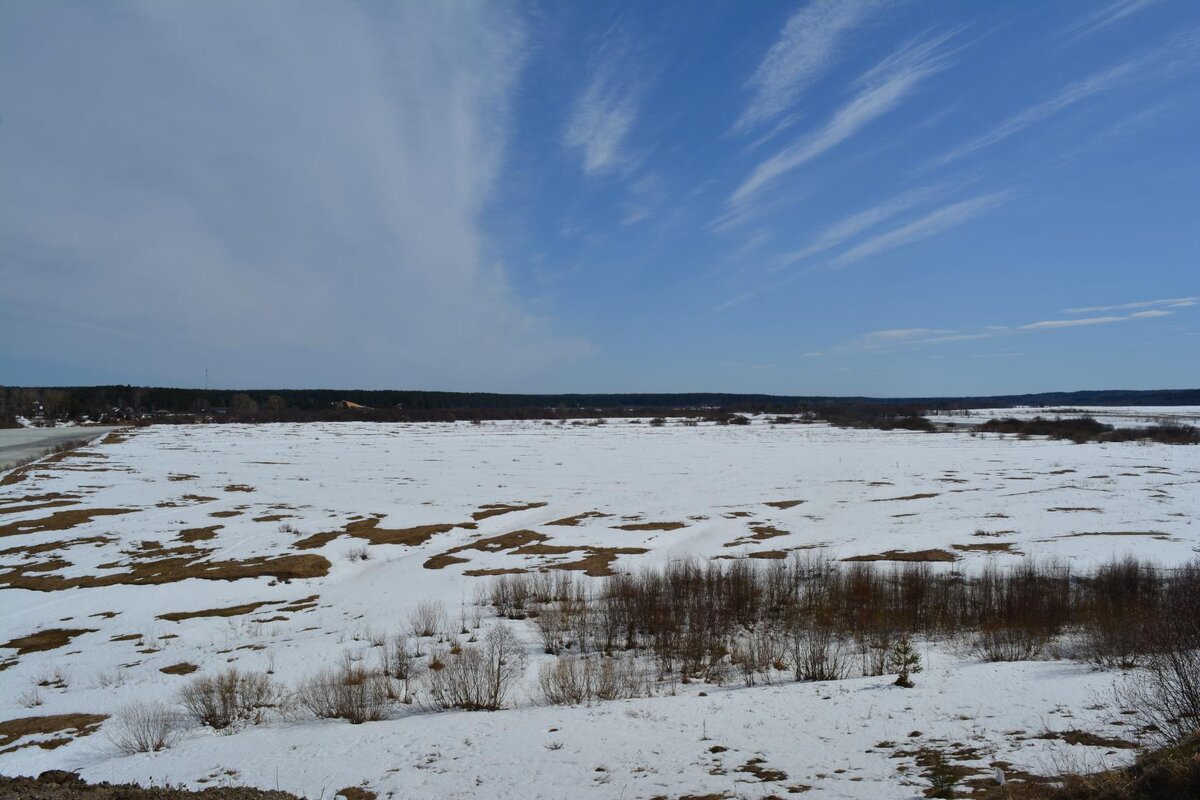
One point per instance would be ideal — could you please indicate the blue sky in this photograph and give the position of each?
(853, 197)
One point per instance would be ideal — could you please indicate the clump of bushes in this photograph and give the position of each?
(351, 692)
(230, 698)
(1087, 429)
(144, 727)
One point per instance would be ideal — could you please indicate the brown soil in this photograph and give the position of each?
(919, 496)
(182, 477)
(496, 509)
(15, 729)
(652, 526)
(571, 522)
(1076, 508)
(369, 529)
(483, 573)
(59, 520)
(37, 506)
(49, 639)
(174, 568)
(225, 514)
(902, 555)
(182, 668)
(783, 505)
(986, 547)
(1087, 739)
(493, 544)
(598, 562)
(239, 487)
(58, 785)
(199, 534)
(229, 611)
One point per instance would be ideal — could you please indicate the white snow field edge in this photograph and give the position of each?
(864, 492)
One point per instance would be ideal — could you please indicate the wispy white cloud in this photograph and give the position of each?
(1175, 302)
(1067, 97)
(1070, 323)
(847, 228)
(1103, 17)
(923, 336)
(931, 224)
(603, 115)
(902, 334)
(880, 90)
(806, 47)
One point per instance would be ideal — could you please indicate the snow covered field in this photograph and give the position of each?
(120, 544)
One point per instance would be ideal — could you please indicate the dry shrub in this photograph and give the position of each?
(350, 692)
(478, 678)
(428, 618)
(230, 698)
(573, 680)
(144, 727)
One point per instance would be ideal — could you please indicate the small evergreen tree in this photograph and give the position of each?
(905, 661)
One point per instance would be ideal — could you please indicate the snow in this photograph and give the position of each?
(717, 480)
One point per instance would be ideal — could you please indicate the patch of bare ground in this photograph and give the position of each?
(356, 793)
(182, 668)
(1076, 508)
(491, 544)
(49, 639)
(225, 514)
(987, 547)
(199, 534)
(918, 496)
(762, 532)
(484, 573)
(181, 477)
(37, 506)
(1152, 534)
(652, 526)
(571, 522)
(784, 505)
(144, 570)
(496, 509)
(369, 529)
(59, 520)
(239, 487)
(76, 724)
(272, 517)
(59, 785)
(1087, 739)
(907, 555)
(764, 774)
(598, 561)
(228, 611)
(49, 547)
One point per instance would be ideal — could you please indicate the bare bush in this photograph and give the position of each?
(230, 698)
(479, 678)
(573, 680)
(428, 618)
(144, 727)
(350, 692)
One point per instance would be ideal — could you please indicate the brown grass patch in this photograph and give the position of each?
(907, 555)
(652, 526)
(496, 509)
(182, 668)
(127, 637)
(986, 547)
(784, 505)
(37, 506)
(1075, 508)
(480, 573)
(768, 554)
(239, 487)
(1153, 534)
(49, 639)
(78, 724)
(571, 522)
(225, 514)
(228, 611)
(598, 562)
(59, 520)
(272, 517)
(918, 496)
(369, 529)
(177, 568)
(764, 774)
(181, 477)
(199, 534)
(198, 498)
(762, 532)
(1087, 739)
(47, 547)
(442, 560)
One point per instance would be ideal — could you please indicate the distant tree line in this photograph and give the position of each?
(158, 404)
